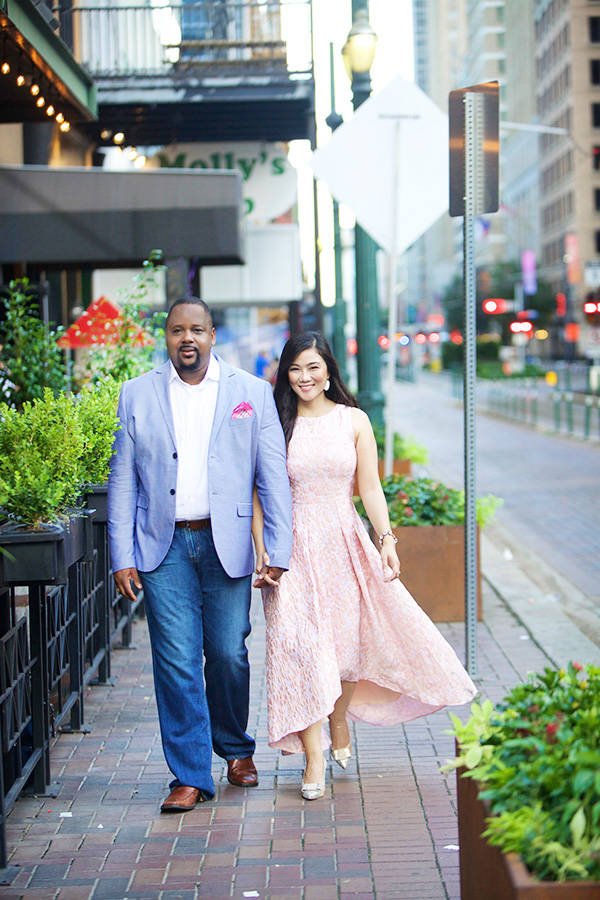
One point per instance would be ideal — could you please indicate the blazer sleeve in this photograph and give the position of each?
(273, 486)
(122, 491)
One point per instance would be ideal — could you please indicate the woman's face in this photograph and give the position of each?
(307, 375)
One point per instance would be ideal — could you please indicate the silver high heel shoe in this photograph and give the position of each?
(314, 790)
(342, 755)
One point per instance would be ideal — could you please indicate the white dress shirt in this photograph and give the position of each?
(193, 407)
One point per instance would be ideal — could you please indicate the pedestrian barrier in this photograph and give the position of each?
(530, 402)
(54, 641)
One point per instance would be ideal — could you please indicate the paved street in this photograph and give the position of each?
(550, 484)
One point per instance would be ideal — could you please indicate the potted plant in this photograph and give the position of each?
(30, 359)
(40, 484)
(406, 452)
(96, 412)
(529, 790)
(427, 517)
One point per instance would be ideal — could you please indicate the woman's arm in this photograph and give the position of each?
(370, 490)
(258, 532)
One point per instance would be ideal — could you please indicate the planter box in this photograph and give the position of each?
(97, 498)
(486, 872)
(399, 467)
(433, 569)
(44, 555)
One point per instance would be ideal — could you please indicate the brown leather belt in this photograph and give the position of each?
(193, 524)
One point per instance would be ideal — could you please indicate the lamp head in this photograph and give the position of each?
(358, 52)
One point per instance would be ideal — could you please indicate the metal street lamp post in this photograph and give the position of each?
(358, 53)
(334, 120)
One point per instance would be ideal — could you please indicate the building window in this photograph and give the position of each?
(597, 199)
(595, 71)
(594, 25)
(596, 115)
(596, 157)
(597, 234)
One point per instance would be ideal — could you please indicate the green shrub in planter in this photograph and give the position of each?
(536, 759)
(403, 447)
(40, 459)
(424, 501)
(30, 359)
(96, 411)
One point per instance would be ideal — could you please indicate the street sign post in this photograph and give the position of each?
(474, 142)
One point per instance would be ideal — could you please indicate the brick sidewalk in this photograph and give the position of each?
(386, 827)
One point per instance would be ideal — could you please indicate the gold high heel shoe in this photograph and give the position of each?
(314, 790)
(342, 754)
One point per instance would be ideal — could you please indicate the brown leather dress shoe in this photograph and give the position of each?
(181, 799)
(242, 772)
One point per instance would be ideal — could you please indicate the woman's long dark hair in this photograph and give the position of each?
(285, 399)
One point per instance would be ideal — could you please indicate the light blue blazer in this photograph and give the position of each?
(242, 451)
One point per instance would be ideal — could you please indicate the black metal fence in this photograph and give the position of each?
(54, 641)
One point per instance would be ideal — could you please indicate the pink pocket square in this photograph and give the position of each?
(242, 411)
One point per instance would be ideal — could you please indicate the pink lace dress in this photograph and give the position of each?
(333, 618)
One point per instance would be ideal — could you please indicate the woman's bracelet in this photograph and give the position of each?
(385, 534)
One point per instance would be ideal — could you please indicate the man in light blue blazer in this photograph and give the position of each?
(196, 435)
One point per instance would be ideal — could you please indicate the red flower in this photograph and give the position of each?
(551, 729)
(577, 666)
(408, 511)
(402, 495)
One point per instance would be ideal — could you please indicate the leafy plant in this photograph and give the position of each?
(40, 459)
(133, 352)
(536, 757)
(96, 411)
(30, 360)
(403, 447)
(423, 501)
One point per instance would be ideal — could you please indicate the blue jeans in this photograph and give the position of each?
(195, 609)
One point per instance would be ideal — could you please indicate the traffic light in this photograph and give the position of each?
(561, 305)
(494, 306)
(521, 327)
(591, 308)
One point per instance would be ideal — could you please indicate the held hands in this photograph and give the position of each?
(267, 574)
(389, 559)
(123, 579)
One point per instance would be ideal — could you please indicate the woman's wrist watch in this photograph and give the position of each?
(385, 534)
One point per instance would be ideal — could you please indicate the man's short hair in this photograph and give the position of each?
(193, 301)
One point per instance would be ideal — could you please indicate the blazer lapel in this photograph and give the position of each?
(224, 394)
(161, 386)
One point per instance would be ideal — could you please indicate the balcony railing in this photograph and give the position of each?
(156, 37)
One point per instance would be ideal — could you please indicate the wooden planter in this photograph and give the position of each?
(44, 555)
(433, 569)
(399, 467)
(486, 872)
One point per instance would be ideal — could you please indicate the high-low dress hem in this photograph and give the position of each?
(333, 617)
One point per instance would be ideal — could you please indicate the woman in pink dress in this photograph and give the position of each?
(344, 637)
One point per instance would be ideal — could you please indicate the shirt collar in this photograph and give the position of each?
(213, 373)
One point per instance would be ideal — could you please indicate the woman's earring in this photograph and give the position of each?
(327, 385)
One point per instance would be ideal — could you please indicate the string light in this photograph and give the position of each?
(119, 137)
(65, 126)
(50, 110)
(60, 118)
(34, 89)
(5, 68)
(20, 80)
(40, 102)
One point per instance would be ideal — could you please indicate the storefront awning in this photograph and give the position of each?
(86, 216)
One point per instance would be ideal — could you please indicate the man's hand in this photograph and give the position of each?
(268, 575)
(123, 579)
